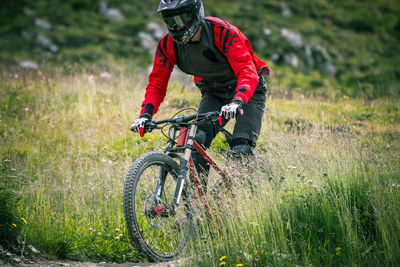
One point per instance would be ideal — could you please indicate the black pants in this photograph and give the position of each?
(247, 126)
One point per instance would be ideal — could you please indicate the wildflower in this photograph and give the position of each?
(116, 230)
(338, 251)
(222, 263)
(23, 219)
(105, 75)
(239, 265)
(315, 186)
(117, 238)
(108, 235)
(222, 258)
(120, 235)
(289, 192)
(92, 79)
(14, 225)
(40, 73)
(309, 181)
(90, 229)
(99, 233)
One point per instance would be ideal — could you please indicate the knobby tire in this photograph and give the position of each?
(161, 239)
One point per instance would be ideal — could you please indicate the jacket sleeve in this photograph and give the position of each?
(156, 89)
(236, 48)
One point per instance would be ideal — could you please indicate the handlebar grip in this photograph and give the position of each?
(220, 120)
(141, 131)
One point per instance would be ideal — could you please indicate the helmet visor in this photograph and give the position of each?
(178, 22)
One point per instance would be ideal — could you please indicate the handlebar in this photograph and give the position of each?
(181, 119)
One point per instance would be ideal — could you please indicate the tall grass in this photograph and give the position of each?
(313, 198)
(323, 190)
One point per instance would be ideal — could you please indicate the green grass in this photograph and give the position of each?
(324, 189)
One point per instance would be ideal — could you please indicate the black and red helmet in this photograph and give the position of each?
(183, 18)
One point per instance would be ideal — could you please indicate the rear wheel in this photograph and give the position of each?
(148, 193)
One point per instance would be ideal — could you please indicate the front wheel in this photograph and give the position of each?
(148, 193)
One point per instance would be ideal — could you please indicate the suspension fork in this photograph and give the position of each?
(184, 167)
(161, 182)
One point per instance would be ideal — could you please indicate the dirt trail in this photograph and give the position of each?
(44, 263)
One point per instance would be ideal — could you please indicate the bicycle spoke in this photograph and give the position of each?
(158, 232)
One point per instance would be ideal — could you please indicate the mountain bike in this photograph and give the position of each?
(159, 194)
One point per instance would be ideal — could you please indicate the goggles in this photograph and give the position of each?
(178, 22)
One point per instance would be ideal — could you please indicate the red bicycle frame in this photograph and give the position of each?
(186, 139)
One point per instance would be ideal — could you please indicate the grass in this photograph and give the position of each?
(324, 189)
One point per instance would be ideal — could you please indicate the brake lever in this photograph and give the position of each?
(149, 127)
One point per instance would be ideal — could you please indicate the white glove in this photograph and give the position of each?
(139, 123)
(229, 111)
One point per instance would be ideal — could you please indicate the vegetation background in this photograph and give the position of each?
(328, 176)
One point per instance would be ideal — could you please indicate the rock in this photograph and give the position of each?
(159, 31)
(286, 10)
(292, 59)
(47, 43)
(17, 260)
(148, 41)
(41, 23)
(33, 249)
(267, 31)
(111, 13)
(293, 38)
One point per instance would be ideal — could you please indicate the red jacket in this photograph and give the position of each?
(230, 41)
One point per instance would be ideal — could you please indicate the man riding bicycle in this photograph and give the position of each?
(225, 69)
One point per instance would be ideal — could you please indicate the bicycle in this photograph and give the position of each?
(156, 184)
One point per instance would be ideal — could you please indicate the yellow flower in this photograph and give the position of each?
(39, 73)
(14, 225)
(338, 251)
(222, 258)
(222, 263)
(23, 219)
(239, 265)
(289, 192)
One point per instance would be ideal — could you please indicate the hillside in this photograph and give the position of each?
(354, 44)
(322, 189)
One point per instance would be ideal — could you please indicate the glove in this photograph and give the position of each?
(138, 125)
(229, 111)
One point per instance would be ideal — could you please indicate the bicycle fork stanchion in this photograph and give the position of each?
(184, 168)
(161, 181)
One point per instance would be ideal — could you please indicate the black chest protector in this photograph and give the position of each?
(203, 59)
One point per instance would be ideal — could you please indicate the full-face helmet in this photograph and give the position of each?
(183, 18)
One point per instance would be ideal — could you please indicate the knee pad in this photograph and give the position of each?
(201, 137)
